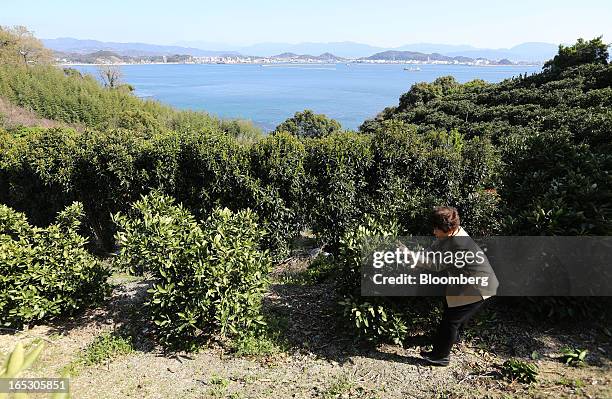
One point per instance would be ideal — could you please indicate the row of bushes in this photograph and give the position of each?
(209, 276)
(326, 184)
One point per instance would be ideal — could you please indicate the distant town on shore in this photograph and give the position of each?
(75, 51)
(387, 57)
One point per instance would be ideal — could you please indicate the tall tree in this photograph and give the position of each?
(18, 43)
(593, 51)
(111, 75)
(309, 124)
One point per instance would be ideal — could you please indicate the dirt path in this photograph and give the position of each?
(321, 361)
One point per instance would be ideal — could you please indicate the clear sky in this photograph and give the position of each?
(385, 23)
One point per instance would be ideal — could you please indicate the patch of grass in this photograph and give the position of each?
(341, 386)
(573, 356)
(519, 370)
(218, 386)
(55, 336)
(344, 386)
(267, 340)
(572, 383)
(317, 272)
(119, 278)
(103, 349)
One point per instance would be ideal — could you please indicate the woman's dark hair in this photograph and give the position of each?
(445, 218)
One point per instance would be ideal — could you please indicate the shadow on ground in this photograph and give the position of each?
(313, 326)
(123, 311)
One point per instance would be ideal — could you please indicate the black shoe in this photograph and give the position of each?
(434, 360)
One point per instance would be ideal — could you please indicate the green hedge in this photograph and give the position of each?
(46, 272)
(327, 184)
(277, 164)
(337, 166)
(209, 276)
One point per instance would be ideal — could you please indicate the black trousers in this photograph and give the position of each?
(454, 318)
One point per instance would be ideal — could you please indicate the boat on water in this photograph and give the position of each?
(412, 69)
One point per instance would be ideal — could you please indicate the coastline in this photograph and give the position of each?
(268, 64)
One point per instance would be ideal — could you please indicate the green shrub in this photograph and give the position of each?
(210, 276)
(413, 171)
(336, 167)
(573, 356)
(212, 171)
(46, 272)
(36, 171)
(519, 370)
(138, 121)
(371, 318)
(277, 164)
(568, 186)
(377, 319)
(309, 124)
(113, 169)
(374, 321)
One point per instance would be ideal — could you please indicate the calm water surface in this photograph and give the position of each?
(268, 95)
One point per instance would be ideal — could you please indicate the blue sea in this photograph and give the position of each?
(268, 95)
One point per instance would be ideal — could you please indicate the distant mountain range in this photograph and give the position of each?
(110, 57)
(325, 57)
(78, 46)
(393, 55)
(533, 51)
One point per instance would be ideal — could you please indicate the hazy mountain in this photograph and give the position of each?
(327, 57)
(435, 48)
(106, 57)
(533, 51)
(393, 55)
(206, 45)
(340, 49)
(70, 45)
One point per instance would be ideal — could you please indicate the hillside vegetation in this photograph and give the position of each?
(66, 95)
(552, 131)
